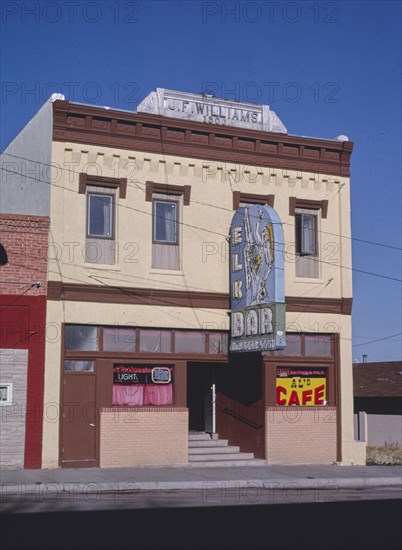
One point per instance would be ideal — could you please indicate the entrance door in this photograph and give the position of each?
(240, 408)
(79, 421)
(200, 396)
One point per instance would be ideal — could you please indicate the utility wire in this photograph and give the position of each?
(137, 185)
(222, 234)
(377, 340)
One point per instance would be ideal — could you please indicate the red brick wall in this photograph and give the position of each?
(25, 240)
(23, 313)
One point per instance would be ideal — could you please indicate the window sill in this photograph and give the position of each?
(315, 280)
(175, 272)
(102, 267)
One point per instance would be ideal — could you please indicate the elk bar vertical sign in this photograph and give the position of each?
(257, 297)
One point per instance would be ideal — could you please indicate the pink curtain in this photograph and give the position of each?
(158, 395)
(128, 395)
(143, 394)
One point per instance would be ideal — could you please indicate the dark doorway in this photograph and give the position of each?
(200, 378)
(240, 410)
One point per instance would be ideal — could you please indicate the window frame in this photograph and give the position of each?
(156, 200)
(148, 365)
(300, 234)
(111, 197)
(276, 359)
(9, 390)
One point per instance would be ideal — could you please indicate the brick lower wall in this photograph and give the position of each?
(301, 435)
(143, 437)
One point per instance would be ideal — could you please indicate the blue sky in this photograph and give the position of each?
(326, 68)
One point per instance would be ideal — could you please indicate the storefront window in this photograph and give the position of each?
(293, 345)
(218, 343)
(307, 345)
(78, 366)
(301, 386)
(81, 337)
(319, 345)
(119, 339)
(137, 385)
(190, 342)
(156, 341)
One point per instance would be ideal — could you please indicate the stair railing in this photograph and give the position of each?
(243, 419)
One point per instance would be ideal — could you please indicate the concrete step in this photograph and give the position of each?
(192, 444)
(199, 436)
(221, 457)
(227, 463)
(206, 451)
(228, 449)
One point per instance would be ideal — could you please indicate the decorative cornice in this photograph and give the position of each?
(101, 181)
(250, 198)
(152, 187)
(163, 135)
(176, 298)
(294, 203)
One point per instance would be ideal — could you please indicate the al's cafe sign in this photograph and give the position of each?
(301, 387)
(257, 298)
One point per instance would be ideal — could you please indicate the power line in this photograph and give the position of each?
(364, 241)
(221, 234)
(377, 340)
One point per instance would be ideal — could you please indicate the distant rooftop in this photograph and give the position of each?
(377, 379)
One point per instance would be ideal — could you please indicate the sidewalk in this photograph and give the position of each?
(111, 480)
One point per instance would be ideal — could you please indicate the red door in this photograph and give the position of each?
(79, 441)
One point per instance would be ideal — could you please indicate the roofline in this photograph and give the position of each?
(81, 123)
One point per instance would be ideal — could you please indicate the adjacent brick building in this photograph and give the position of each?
(23, 280)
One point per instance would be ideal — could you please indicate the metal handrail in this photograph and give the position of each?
(244, 419)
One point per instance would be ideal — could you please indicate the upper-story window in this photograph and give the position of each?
(165, 221)
(102, 195)
(308, 215)
(306, 233)
(167, 202)
(100, 243)
(100, 215)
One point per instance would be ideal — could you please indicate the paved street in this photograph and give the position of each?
(253, 495)
(344, 525)
(269, 508)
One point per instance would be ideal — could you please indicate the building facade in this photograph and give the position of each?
(141, 206)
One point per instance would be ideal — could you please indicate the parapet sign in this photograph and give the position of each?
(257, 297)
(211, 110)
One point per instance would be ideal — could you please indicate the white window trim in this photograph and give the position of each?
(9, 399)
(111, 219)
(312, 257)
(177, 207)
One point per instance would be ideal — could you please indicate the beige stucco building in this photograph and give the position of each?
(138, 307)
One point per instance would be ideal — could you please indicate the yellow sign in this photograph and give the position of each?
(301, 391)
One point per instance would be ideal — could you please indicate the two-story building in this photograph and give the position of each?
(138, 303)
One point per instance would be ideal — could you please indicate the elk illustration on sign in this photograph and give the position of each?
(257, 280)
